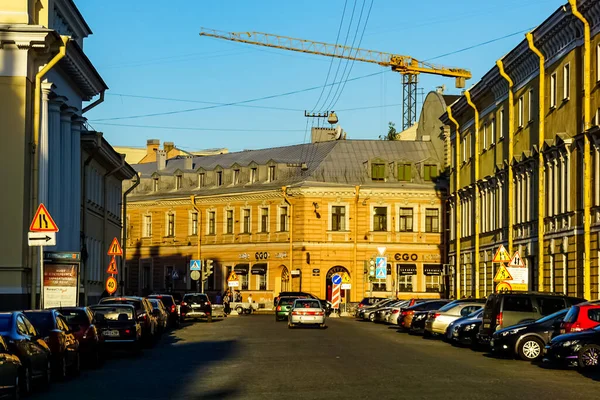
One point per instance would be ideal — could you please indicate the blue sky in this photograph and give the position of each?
(153, 49)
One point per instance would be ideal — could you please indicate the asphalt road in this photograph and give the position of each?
(253, 357)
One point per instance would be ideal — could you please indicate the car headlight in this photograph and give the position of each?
(470, 327)
(570, 343)
(512, 331)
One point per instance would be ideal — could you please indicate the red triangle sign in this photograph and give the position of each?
(115, 248)
(42, 221)
(112, 267)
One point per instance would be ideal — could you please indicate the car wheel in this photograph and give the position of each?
(589, 356)
(239, 310)
(531, 349)
(372, 317)
(26, 381)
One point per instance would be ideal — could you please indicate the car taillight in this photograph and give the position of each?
(143, 317)
(295, 313)
(395, 311)
(183, 303)
(127, 331)
(361, 305)
(173, 308)
(407, 312)
(499, 319)
(208, 303)
(319, 313)
(278, 308)
(436, 315)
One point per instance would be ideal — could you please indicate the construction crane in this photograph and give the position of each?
(405, 65)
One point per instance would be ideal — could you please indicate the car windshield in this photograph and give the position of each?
(75, 317)
(115, 313)
(307, 304)
(42, 321)
(552, 316)
(195, 298)
(167, 300)
(136, 303)
(449, 306)
(4, 323)
(154, 303)
(286, 301)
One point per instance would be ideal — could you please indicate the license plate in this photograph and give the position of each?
(486, 325)
(111, 333)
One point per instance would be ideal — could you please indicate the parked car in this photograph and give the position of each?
(383, 313)
(64, 347)
(580, 317)
(580, 349)
(196, 305)
(26, 343)
(368, 302)
(529, 339)
(143, 311)
(284, 305)
(293, 294)
(161, 314)
(395, 311)
(119, 326)
(82, 323)
(172, 308)
(465, 331)
(10, 369)
(419, 313)
(437, 321)
(306, 312)
(506, 309)
(366, 312)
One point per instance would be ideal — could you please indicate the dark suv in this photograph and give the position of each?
(196, 305)
(143, 311)
(507, 309)
(169, 302)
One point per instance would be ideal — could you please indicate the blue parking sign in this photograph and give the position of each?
(380, 267)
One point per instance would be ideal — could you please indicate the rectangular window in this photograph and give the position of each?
(253, 175)
(405, 283)
(283, 219)
(147, 225)
(464, 149)
(170, 224)
(485, 136)
(566, 81)
(501, 124)
(201, 179)
(244, 281)
(432, 220)
(236, 176)
(261, 282)
(380, 219)
(178, 182)
(530, 106)
(430, 172)
(521, 115)
(432, 283)
(598, 63)
(404, 172)
(155, 184)
(229, 219)
(246, 221)
(211, 222)
(553, 90)
(492, 132)
(377, 172)
(264, 220)
(338, 218)
(194, 224)
(405, 219)
(271, 176)
(219, 178)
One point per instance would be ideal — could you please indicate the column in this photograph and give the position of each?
(54, 157)
(549, 185)
(64, 240)
(555, 185)
(517, 203)
(528, 190)
(500, 204)
(568, 172)
(42, 150)
(76, 126)
(596, 177)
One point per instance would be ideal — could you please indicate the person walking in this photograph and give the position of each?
(250, 299)
(226, 303)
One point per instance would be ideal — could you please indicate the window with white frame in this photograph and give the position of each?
(229, 222)
(520, 111)
(178, 179)
(246, 220)
(433, 283)
(432, 220)
(553, 90)
(261, 282)
(493, 132)
(405, 283)
(338, 218)
(485, 136)
(566, 81)
(264, 219)
(155, 184)
(283, 219)
(194, 223)
(212, 216)
(501, 124)
(405, 219)
(170, 224)
(380, 219)
(530, 106)
(147, 225)
(464, 149)
(271, 172)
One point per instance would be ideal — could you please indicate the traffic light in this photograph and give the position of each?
(208, 270)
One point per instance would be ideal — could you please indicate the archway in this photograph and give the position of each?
(282, 280)
(328, 284)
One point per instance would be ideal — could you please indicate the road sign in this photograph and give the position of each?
(336, 279)
(195, 275)
(503, 287)
(381, 250)
(336, 297)
(502, 274)
(115, 248)
(195, 265)
(42, 238)
(42, 221)
(345, 278)
(112, 267)
(346, 286)
(111, 285)
(516, 261)
(233, 277)
(380, 267)
(501, 255)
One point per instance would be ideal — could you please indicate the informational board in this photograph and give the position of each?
(60, 285)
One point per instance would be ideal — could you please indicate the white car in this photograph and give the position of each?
(306, 312)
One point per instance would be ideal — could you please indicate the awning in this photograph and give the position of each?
(407, 269)
(432, 269)
(241, 269)
(259, 269)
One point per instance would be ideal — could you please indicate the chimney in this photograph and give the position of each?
(168, 146)
(188, 163)
(161, 160)
(152, 145)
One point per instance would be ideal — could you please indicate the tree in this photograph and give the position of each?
(391, 135)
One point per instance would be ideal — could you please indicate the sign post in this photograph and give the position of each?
(42, 232)
(336, 281)
(114, 250)
(60, 279)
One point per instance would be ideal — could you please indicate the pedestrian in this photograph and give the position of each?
(226, 303)
(250, 298)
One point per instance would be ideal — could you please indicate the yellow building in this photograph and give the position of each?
(289, 218)
(525, 163)
(141, 155)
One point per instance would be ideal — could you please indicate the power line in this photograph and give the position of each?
(182, 128)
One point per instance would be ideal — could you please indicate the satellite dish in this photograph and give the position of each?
(338, 133)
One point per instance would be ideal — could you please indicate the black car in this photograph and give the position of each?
(119, 326)
(25, 342)
(144, 315)
(580, 349)
(465, 332)
(529, 339)
(171, 306)
(10, 369)
(196, 305)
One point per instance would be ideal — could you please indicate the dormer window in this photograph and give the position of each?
(378, 172)
(404, 172)
(219, 178)
(253, 175)
(236, 176)
(155, 184)
(430, 172)
(271, 176)
(201, 179)
(178, 182)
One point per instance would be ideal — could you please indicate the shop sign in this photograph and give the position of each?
(261, 255)
(406, 257)
(281, 255)
(244, 256)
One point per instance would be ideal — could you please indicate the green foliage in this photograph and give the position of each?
(391, 135)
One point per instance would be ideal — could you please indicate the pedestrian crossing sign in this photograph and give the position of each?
(345, 278)
(502, 255)
(195, 265)
(232, 277)
(502, 274)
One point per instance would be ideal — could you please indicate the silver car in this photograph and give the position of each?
(438, 320)
(306, 312)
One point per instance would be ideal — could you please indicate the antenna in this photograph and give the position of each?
(338, 132)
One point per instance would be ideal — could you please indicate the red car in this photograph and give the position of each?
(82, 323)
(581, 317)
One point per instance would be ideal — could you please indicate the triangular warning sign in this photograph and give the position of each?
(502, 274)
(232, 277)
(112, 267)
(42, 221)
(501, 255)
(516, 261)
(115, 248)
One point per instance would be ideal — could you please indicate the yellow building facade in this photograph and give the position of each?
(289, 218)
(525, 163)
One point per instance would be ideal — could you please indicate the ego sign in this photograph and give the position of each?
(261, 255)
(405, 257)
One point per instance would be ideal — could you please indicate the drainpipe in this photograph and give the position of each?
(541, 168)
(511, 131)
(587, 173)
(457, 205)
(476, 191)
(125, 227)
(36, 157)
(84, 209)
(287, 200)
(94, 104)
(356, 197)
(199, 253)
